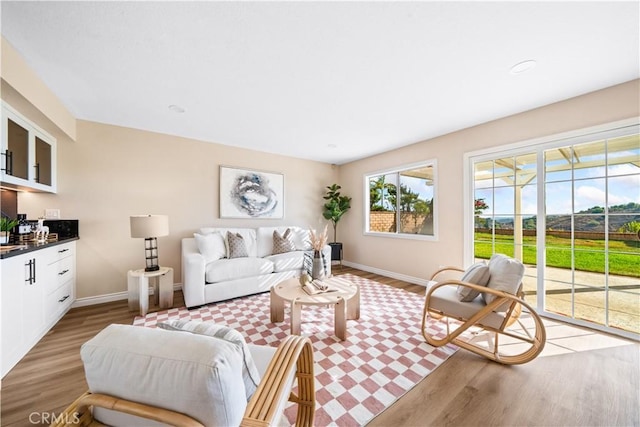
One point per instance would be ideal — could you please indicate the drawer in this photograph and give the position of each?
(59, 252)
(59, 300)
(64, 270)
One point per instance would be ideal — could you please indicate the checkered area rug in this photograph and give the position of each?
(383, 357)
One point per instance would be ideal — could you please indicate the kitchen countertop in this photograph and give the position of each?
(14, 249)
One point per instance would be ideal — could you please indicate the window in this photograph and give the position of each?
(570, 211)
(401, 202)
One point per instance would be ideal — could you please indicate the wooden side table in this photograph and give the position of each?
(138, 284)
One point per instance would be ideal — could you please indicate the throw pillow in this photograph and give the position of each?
(237, 248)
(250, 374)
(478, 274)
(506, 275)
(283, 243)
(211, 246)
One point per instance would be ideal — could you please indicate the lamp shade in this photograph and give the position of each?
(145, 226)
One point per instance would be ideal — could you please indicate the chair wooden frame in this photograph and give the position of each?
(516, 303)
(293, 356)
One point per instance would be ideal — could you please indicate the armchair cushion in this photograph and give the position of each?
(477, 274)
(506, 275)
(196, 375)
(250, 374)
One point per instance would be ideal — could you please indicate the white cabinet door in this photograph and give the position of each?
(13, 276)
(32, 297)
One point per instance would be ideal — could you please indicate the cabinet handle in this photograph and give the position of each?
(32, 271)
(37, 166)
(63, 251)
(63, 272)
(8, 164)
(63, 298)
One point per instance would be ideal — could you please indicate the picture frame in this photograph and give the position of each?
(251, 194)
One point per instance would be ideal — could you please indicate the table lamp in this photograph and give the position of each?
(149, 227)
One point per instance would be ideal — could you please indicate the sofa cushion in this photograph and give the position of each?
(478, 274)
(236, 268)
(211, 246)
(197, 375)
(250, 374)
(264, 239)
(283, 243)
(235, 246)
(506, 275)
(287, 262)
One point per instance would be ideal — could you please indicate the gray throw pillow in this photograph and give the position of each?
(250, 374)
(237, 248)
(283, 243)
(478, 274)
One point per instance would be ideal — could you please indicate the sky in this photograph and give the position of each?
(622, 186)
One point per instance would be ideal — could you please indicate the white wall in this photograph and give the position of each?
(111, 172)
(415, 259)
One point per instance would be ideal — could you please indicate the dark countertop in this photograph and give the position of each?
(14, 249)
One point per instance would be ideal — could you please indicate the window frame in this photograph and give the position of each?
(539, 146)
(398, 169)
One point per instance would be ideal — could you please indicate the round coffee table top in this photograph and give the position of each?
(291, 289)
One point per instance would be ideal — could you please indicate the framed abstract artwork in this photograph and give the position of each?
(251, 194)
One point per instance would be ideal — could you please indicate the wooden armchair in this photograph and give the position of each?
(293, 359)
(499, 315)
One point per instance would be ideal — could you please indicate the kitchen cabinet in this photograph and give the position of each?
(38, 288)
(28, 154)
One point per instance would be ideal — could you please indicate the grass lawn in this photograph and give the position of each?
(589, 255)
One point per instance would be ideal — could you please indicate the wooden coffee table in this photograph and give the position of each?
(346, 302)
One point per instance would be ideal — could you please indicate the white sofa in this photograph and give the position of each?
(206, 279)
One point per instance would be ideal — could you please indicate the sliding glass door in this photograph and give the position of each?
(570, 211)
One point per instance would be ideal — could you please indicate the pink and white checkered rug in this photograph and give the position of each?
(383, 357)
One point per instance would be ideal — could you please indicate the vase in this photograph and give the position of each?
(4, 237)
(317, 270)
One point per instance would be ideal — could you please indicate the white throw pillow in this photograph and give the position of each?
(211, 246)
(478, 274)
(250, 374)
(506, 275)
(301, 239)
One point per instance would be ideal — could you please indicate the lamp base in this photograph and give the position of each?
(151, 254)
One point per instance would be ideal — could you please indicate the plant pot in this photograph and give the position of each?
(4, 237)
(336, 251)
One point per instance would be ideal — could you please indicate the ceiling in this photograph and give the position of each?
(329, 81)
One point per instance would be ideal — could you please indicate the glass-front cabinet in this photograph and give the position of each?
(28, 156)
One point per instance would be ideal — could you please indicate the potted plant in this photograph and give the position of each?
(6, 225)
(336, 206)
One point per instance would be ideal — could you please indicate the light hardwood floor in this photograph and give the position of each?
(582, 379)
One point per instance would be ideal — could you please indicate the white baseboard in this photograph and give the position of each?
(117, 296)
(393, 275)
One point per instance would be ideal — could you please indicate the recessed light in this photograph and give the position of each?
(522, 67)
(332, 146)
(176, 108)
